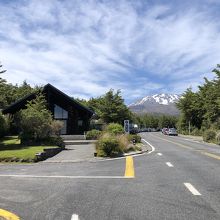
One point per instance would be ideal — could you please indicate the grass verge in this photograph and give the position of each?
(11, 149)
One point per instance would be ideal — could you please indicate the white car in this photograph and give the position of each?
(172, 131)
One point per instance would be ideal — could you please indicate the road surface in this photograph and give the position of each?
(179, 180)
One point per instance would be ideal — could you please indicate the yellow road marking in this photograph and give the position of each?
(211, 155)
(129, 168)
(6, 215)
(178, 144)
(191, 148)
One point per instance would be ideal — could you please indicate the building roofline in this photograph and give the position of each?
(68, 97)
(25, 98)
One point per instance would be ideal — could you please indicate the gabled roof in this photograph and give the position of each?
(16, 106)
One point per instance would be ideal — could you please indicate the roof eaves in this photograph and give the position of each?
(68, 97)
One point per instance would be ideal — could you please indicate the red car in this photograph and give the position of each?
(165, 131)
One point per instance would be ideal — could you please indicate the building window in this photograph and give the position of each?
(80, 123)
(60, 113)
(64, 128)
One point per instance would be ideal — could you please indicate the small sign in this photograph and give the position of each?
(126, 126)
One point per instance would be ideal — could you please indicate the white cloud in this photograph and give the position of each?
(89, 47)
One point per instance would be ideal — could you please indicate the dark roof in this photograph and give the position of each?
(16, 106)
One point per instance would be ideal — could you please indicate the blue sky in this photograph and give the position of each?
(86, 48)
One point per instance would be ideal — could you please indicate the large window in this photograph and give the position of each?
(60, 113)
(64, 128)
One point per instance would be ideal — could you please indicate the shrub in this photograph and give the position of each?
(93, 134)
(196, 132)
(35, 121)
(56, 127)
(4, 125)
(184, 132)
(54, 140)
(123, 142)
(209, 135)
(115, 129)
(108, 146)
(218, 137)
(134, 136)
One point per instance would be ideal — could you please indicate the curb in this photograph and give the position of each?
(134, 153)
(147, 150)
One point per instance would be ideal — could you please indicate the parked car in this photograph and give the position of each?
(165, 131)
(172, 131)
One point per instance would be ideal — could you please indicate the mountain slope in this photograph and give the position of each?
(158, 103)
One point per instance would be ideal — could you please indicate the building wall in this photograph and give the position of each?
(78, 120)
(78, 116)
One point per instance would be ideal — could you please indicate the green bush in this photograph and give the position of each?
(93, 134)
(115, 129)
(56, 127)
(123, 142)
(209, 135)
(3, 125)
(218, 137)
(196, 132)
(134, 136)
(113, 145)
(54, 140)
(184, 132)
(35, 121)
(108, 146)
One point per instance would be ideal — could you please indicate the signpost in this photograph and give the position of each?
(126, 126)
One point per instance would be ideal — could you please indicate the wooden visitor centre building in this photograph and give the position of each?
(75, 117)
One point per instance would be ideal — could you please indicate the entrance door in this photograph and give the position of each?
(61, 115)
(64, 128)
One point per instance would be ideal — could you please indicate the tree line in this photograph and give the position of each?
(200, 110)
(10, 93)
(108, 108)
(156, 121)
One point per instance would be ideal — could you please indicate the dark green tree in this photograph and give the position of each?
(155, 121)
(2, 71)
(191, 109)
(112, 108)
(109, 107)
(202, 108)
(4, 125)
(36, 120)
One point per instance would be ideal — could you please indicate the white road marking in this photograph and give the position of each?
(192, 189)
(153, 148)
(75, 217)
(66, 177)
(159, 154)
(169, 164)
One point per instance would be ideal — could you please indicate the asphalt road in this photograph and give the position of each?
(179, 180)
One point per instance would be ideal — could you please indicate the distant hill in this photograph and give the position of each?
(158, 103)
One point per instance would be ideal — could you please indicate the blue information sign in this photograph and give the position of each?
(126, 126)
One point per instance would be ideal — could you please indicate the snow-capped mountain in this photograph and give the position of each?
(158, 103)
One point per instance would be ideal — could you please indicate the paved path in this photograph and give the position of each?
(85, 152)
(74, 153)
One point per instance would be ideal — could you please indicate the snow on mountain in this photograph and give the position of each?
(158, 103)
(163, 99)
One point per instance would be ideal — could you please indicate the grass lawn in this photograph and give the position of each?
(10, 148)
